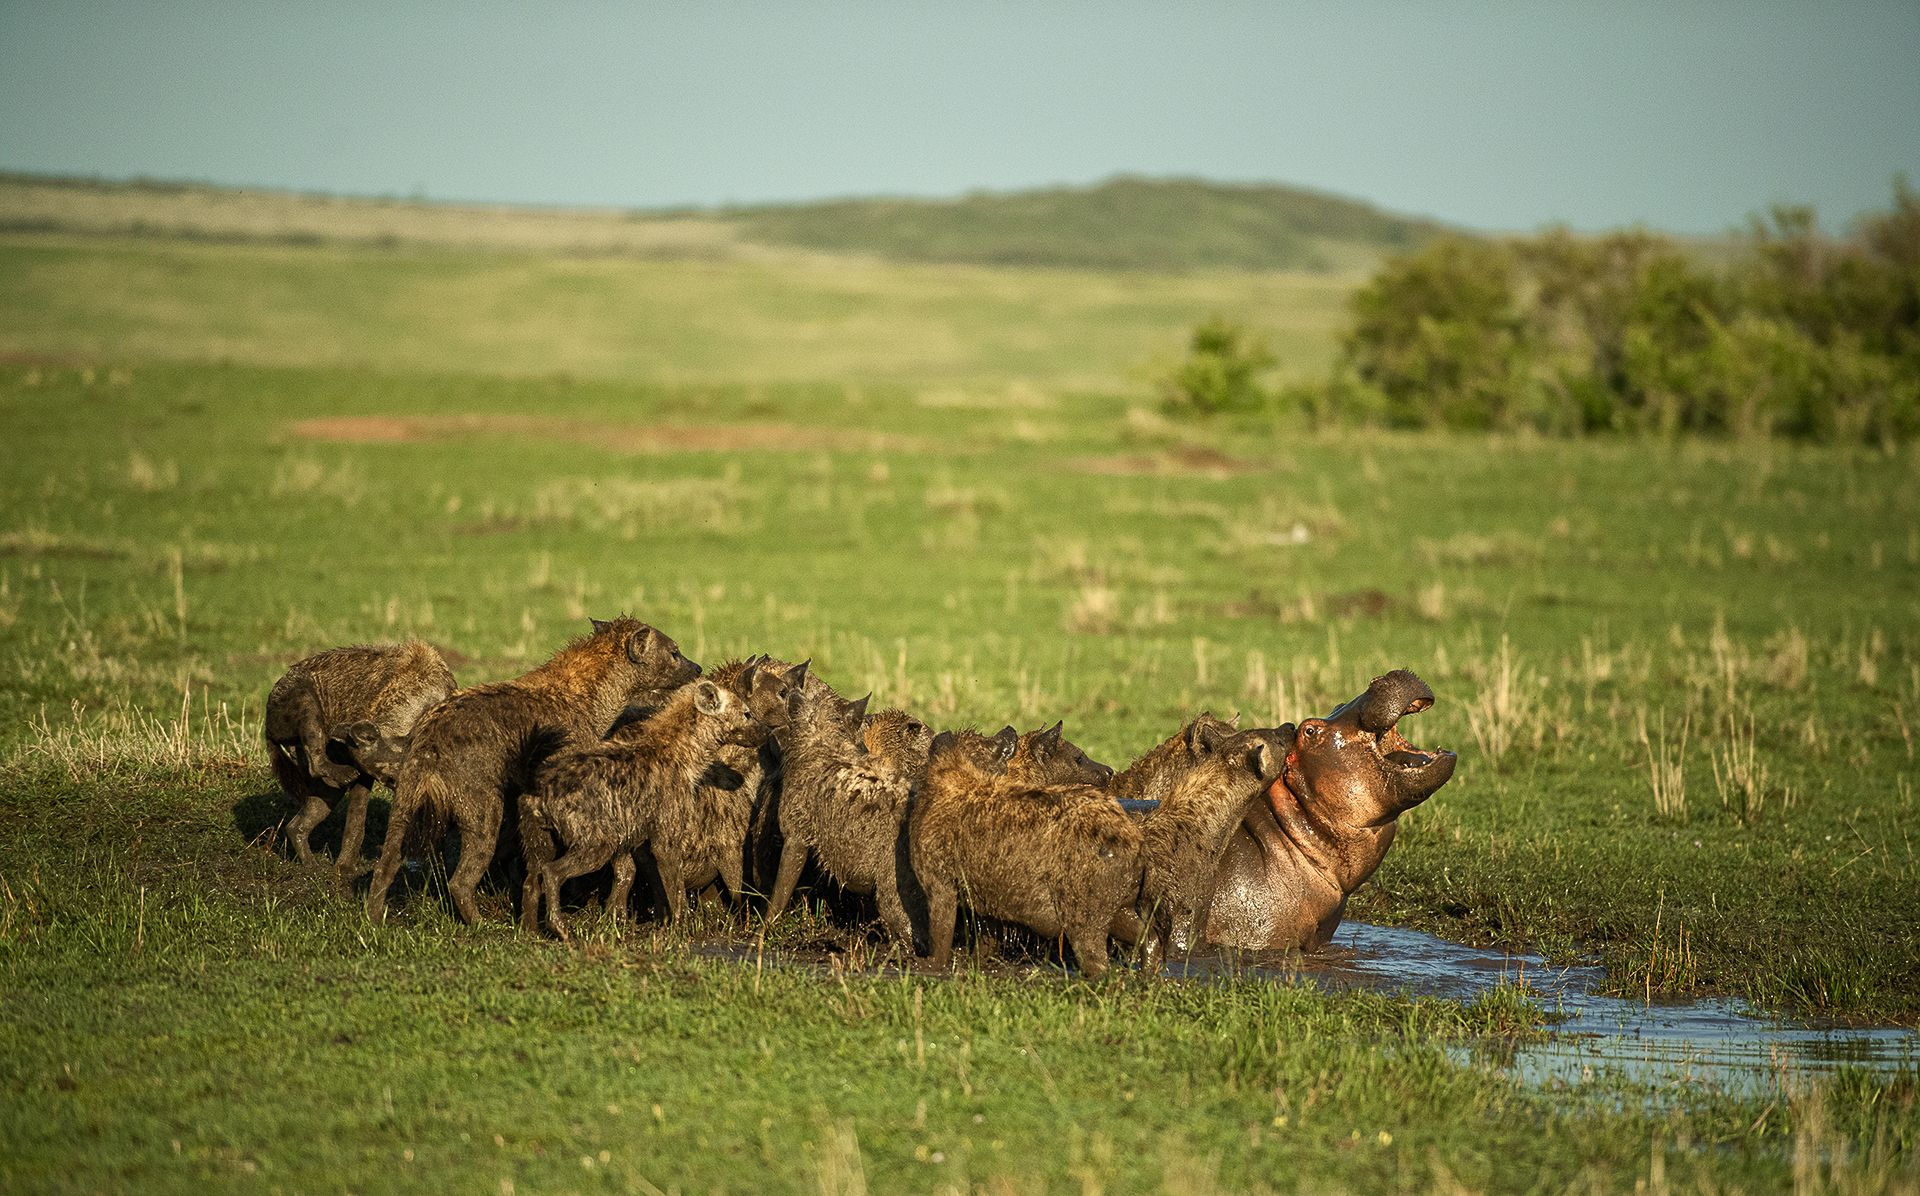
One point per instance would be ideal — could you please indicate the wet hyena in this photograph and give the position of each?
(1062, 860)
(473, 754)
(602, 803)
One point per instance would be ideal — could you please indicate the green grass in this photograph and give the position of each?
(836, 321)
(174, 527)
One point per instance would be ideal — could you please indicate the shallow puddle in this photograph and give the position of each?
(1660, 1043)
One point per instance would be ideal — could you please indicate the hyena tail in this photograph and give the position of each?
(420, 794)
(290, 768)
(535, 748)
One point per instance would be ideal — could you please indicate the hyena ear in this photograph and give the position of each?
(750, 677)
(345, 742)
(640, 645)
(707, 699)
(1203, 736)
(1055, 732)
(797, 675)
(857, 711)
(1260, 759)
(1234, 722)
(599, 625)
(942, 744)
(1006, 741)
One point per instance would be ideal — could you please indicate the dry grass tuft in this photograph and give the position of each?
(124, 742)
(1505, 712)
(1666, 767)
(343, 479)
(1093, 610)
(1741, 777)
(629, 506)
(149, 476)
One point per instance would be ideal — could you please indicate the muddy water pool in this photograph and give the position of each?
(1712, 1040)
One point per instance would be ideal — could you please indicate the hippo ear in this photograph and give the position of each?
(707, 698)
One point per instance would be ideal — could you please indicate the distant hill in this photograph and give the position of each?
(1121, 224)
(1124, 223)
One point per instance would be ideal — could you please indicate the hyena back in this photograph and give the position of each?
(336, 724)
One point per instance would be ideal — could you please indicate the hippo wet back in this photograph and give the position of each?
(1327, 821)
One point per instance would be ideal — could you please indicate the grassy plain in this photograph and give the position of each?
(1683, 681)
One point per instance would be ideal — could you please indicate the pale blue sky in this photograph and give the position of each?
(1501, 116)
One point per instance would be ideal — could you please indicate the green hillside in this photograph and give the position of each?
(1132, 224)
(1123, 223)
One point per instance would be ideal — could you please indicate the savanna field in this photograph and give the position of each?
(1683, 678)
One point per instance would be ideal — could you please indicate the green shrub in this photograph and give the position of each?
(1802, 335)
(1221, 371)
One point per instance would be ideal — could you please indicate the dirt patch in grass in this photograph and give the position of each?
(1307, 608)
(623, 438)
(1186, 460)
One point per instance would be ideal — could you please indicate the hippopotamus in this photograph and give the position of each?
(1327, 821)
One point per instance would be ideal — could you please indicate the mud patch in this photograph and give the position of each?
(620, 438)
(1184, 461)
(1355, 604)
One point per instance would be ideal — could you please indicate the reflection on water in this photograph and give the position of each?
(1665, 1042)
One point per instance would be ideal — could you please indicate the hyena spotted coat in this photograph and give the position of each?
(604, 802)
(711, 824)
(474, 753)
(1151, 778)
(1046, 757)
(842, 803)
(1185, 836)
(1062, 860)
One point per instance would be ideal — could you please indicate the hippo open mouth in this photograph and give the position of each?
(1398, 753)
(1412, 772)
